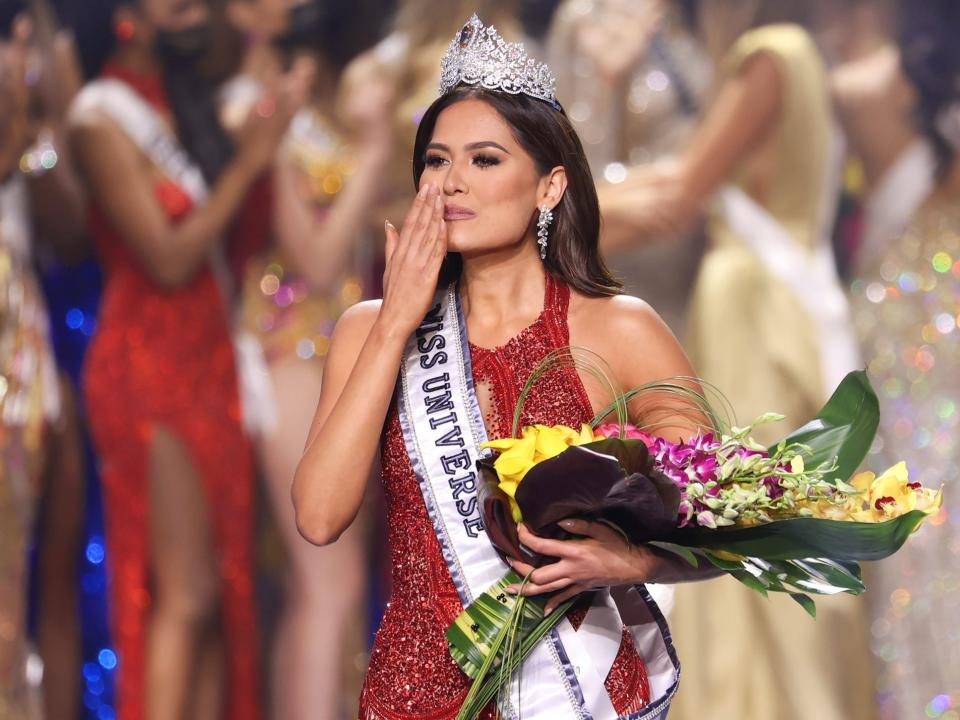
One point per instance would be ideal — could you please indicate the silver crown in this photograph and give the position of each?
(478, 55)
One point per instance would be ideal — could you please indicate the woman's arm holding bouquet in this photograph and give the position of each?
(640, 349)
(601, 558)
(360, 375)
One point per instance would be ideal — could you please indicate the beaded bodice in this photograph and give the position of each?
(559, 397)
(411, 674)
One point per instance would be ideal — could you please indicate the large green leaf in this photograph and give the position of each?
(794, 577)
(802, 538)
(844, 429)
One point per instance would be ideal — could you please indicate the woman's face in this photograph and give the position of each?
(488, 183)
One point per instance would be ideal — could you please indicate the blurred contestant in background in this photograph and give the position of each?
(634, 77)
(769, 325)
(40, 201)
(28, 383)
(905, 300)
(161, 380)
(326, 180)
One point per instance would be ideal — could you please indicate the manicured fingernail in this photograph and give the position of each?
(512, 589)
(437, 202)
(567, 524)
(547, 611)
(424, 189)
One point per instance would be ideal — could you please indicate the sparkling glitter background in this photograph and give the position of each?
(906, 307)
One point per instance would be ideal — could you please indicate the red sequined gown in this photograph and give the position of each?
(164, 358)
(411, 674)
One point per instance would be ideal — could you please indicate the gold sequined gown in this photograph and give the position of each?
(28, 401)
(744, 656)
(648, 116)
(906, 302)
(293, 322)
(289, 318)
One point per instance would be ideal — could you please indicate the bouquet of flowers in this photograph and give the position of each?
(793, 517)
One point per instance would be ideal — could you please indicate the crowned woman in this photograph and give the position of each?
(495, 266)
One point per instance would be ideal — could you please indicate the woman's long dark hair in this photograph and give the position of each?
(547, 136)
(930, 58)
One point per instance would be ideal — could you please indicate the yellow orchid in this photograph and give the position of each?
(536, 444)
(883, 497)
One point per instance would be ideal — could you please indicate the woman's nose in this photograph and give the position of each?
(453, 181)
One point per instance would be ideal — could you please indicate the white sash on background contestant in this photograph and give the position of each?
(143, 125)
(896, 197)
(811, 275)
(563, 677)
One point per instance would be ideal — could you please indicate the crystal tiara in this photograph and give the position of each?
(478, 55)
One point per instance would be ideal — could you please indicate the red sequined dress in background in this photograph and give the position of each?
(164, 358)
(411, 673)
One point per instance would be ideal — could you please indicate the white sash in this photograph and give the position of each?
(563, 677)
(896, 197)
(143, 125)
(810, 276)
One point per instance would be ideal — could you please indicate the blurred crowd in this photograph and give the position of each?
(192, 191)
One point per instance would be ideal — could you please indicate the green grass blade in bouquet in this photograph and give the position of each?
(581, 359)
(684, 397)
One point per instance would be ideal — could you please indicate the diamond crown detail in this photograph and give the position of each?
(478, 55)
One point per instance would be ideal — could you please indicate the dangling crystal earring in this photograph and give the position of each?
(543, 225)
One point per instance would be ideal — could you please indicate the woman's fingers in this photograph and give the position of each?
(520, 568)
(544, 546)
(532, 588)
(415, 223)
(562, 597)
(393, 239)
(549, 574)
(595, 530)
(425, 214)
(414, 212)
(438, 251)
(429, 238)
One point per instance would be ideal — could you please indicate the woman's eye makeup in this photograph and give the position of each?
(481, 160)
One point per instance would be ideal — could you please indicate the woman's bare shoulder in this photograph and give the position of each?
(629, 334)
(618, 314)
(359, 318)
(351, 332)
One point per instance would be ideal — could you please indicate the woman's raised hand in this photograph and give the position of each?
(413, 259)
(283, 96)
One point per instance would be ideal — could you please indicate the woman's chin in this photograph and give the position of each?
(472, 247)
